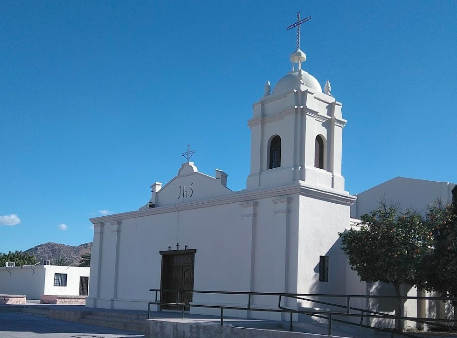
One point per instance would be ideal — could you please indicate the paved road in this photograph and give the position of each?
(22, 325)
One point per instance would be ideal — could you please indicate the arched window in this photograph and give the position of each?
(275, 153)
(319, 152)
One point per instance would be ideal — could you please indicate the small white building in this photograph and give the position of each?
(35, 281)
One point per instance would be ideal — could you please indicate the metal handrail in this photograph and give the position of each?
(329, 315)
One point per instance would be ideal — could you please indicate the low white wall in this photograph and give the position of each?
(26, 280)
(35, 281)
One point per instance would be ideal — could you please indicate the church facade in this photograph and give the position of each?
(280, 234)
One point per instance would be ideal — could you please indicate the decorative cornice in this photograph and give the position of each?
(291, 111)
(322, 118)
(268, 119)
(340, 122)
(272, 97)
(237, 197)
(327, 195)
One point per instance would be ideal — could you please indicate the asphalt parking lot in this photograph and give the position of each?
(22, 325)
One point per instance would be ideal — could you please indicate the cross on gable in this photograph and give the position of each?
(188, 154)
(297, 24)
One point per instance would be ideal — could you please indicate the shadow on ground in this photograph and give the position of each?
(21, 325)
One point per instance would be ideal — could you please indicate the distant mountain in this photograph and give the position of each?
(55, 251)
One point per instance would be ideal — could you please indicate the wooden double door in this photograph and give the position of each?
(177, 275)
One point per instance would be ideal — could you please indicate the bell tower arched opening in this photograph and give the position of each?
(274, 152)
(319, 152)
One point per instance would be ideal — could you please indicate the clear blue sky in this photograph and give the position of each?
(98, 99)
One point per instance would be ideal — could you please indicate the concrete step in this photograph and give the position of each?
(129, 326)
(119, 315)
(121, 319)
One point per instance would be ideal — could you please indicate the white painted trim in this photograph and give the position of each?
(237, 197)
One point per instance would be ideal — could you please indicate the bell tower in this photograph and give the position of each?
(296, 133)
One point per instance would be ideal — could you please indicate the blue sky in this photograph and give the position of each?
(98, 99)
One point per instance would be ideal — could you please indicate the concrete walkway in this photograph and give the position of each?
(22, 325)
(31, 320)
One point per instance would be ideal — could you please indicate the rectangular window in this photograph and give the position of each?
(60, 279)
(323, 269)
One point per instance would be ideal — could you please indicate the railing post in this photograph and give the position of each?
(149, 310)
(290, 325)
(249, 301)
(222, 316)
(347, 303)
(182, 311)
(361, 317)
(330, 324)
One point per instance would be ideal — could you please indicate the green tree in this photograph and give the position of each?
(20, 258)
(85, 260)
(441, 265)
(61, 261)
(389, 247)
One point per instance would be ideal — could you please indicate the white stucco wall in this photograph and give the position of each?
(320, 223)
(249, 243)
(35, 281)
(73, 279)
(216, 233)
(27, 281)
(410, 193)
(228, 239)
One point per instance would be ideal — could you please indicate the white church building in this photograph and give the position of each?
(280, 234)
(274, 236)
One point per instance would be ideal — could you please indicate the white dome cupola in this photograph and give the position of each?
(297, 77)
(296, 132)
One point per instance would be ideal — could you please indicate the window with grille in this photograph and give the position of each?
(60, 279)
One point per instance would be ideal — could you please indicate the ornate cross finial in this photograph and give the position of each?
(188, 154)
(297, 24)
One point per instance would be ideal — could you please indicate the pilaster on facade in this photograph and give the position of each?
(116, 229)
(248, 209)
(282, 204)
(282, 215)
(249, 220)
(98, 243)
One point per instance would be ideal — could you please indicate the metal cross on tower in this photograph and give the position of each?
(188, 154)
(297, 24)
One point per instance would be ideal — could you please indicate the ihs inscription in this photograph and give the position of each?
(185, 192)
